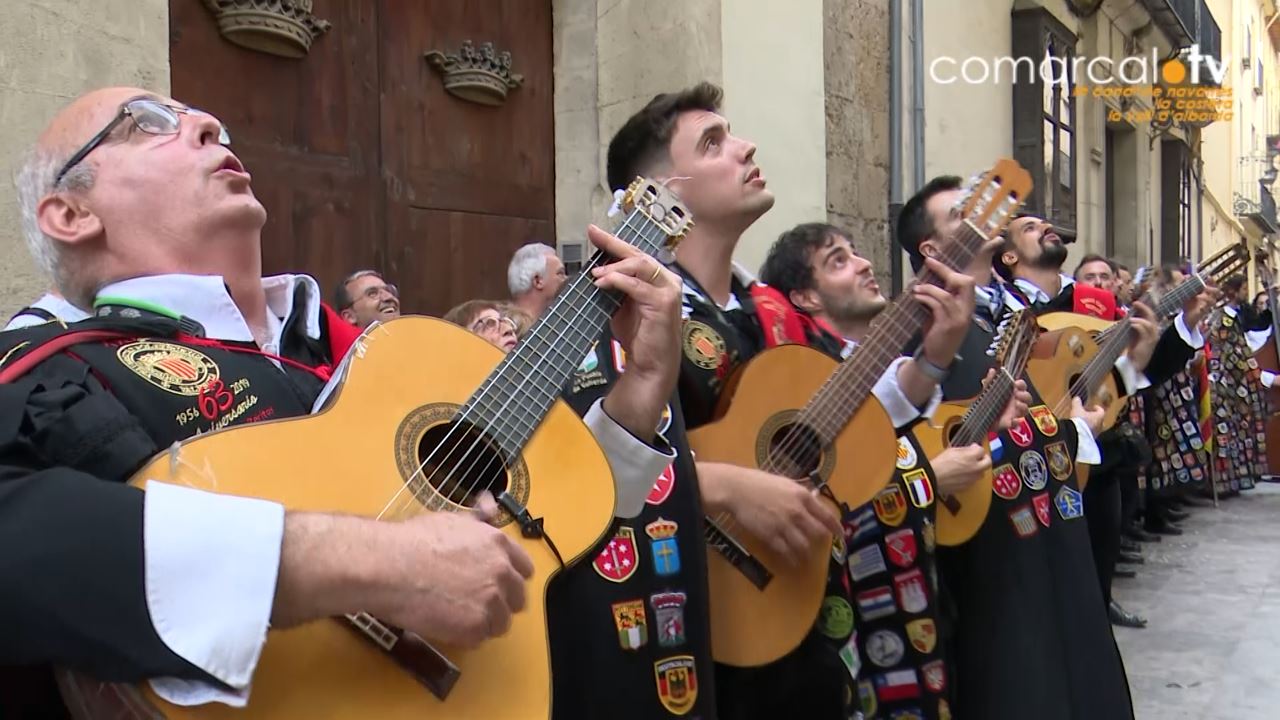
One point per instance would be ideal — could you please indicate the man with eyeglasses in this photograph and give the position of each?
(364, 297)
(152, 221)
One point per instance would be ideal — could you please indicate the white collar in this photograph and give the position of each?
(1230, 311)
(204, 298)
(60, 307)
(1037, 295)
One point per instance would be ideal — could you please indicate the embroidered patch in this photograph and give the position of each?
(1070, 503)
(839, 550)
(1024, 524)
(918, 487)
(1005, 482)
(885, 648)
(861, 525)
(1041, 505)
(1044, 419)
(897, 685)
(668, 611)
(935, 676)
(1034, 473)
(908, 714)
(617, 561)
(850, 657)
(890, 505)
(875, 603)
(867, 698)
(866, 562)
(664, 422)
(1059, 460)
(703, 345)
(835, 619)
(677, 679)
(944, 710)
(590, 362)
(663, 486)
(619, 356)
(923, 635)
(900, 546)
(907, 457)
(1020, 432)
(912, 596)
(662, 544)
(170, 367)
(928, 535)
(629, 617)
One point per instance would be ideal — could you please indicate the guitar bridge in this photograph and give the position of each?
(737, 555)
(415, 655)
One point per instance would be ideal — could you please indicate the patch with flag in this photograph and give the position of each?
(910, 587)
(923, 635)
(890, 505)
(677, 683)
(919, 489)
(1023, 520)
(935, 676)
(617, 561)
(997, 446)
(1070, 503)
(900, 546)
(663, 486)
(1059, 460)
(861, 525)
(629, 617)
(703, 346)
(897, 685)
(866, 562)
(907, 457)
(1041, 505)
(1044, 419)
(174, 368)
(1020, 433)
(1005, 482)
(875, 603)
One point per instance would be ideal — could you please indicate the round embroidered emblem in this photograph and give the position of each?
(178, 369)
(703, 345)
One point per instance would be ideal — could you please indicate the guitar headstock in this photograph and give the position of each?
(659, 205)
(990, 201)
(1015, 338)
(1216, 268)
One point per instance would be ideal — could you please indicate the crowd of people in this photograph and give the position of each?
(1015, 622)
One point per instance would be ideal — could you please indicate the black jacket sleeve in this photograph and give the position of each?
(1171, 356)
(72, 585)
(1251, 319)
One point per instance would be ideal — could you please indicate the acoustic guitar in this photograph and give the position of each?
(795, 412)
(958, 424)
(427, 415)
(1079, 352)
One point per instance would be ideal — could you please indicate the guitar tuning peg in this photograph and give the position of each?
(991, 352)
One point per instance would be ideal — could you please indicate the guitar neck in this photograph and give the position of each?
(985, 410)
(516, 397)
(844, 392)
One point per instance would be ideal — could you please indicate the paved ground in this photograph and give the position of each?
(1212, 599)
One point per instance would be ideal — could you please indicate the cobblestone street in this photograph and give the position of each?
(1212, 599)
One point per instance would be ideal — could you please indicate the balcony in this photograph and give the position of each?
(1253, 201)
(1187, 23)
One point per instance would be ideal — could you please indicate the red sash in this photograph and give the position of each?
(782, 323)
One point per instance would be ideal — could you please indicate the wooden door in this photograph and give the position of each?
(466, 183)
(364, 161)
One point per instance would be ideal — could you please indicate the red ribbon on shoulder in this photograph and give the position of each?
(782, 323)
(1089, 300)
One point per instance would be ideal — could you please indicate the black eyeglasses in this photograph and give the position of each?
(150, 116)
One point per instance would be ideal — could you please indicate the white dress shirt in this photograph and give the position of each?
(57, 306)
(212, 560)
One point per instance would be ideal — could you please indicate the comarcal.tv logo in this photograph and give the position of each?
(1095, 71)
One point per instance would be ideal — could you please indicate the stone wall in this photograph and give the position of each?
(50, 52)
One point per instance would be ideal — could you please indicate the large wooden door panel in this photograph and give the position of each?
(466, 257)
(307, 130)
(442, 152)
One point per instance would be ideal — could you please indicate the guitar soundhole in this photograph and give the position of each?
(950, 430)
(458, 461)
(795, 451)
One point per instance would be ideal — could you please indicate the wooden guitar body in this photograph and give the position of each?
(406, 380)
(1060, 356)
(961, 515)
(750, 625)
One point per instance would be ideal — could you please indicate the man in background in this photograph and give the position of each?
(364, 297)
(534, 277)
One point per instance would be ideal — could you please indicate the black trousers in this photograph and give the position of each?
(1102, 510)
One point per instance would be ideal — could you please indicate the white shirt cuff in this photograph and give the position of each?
(1087, 451)
(895, 403)
(1129, 375)
(1190, 336)
(636, 466)
(1268, 378)
(211, 567)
